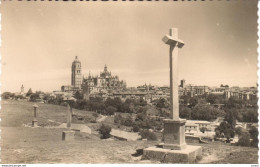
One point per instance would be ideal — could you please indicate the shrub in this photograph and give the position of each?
(104, 130)
(244, 140)
(128, 121)
(110, 110)
(117, 118)
(136, 128)
(254, 135)
(198, 157)
(146, 134)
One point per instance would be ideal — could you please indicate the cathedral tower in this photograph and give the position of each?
(22, 90)
(76, 73)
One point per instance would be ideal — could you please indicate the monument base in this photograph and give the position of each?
(34, 123)
(68, 135)
(173, 146)
(186, 155)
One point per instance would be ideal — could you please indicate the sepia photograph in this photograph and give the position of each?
(129, 82)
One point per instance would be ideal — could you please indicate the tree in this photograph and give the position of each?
(250, 115)
(238, 131)
(129, 106)
(185, 112)
(29, 92)
(141, 102)
(141, 109)
(118, 104)
(231, 117)
(128, 121)
(34, 96)
(110, 110)
(104, 130)
(226, 129)
(193, 101)
(7, 95)
(185, 99)
(78, 95)
(46, 97)
(244, 140)
(80, 104)
(161, 103)
(19, 97)
(96, 104)
(205, 112)
(254, 135)
(140, 117)
(164, 112)
(234, 103)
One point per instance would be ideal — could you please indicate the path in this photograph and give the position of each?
(103, 117)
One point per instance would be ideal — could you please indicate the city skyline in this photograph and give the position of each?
(219, 50)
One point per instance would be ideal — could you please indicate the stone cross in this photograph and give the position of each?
(68, 135)
(174, 128)
(174, 43)
(69, 99)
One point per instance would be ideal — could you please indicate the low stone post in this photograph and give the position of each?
(34, 121)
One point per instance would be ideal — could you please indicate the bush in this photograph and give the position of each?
(146, 134)
(244, 140)
(198, 157)
(128, 121)
(254, 135)
(118, 118)
(104, 130)
(110, 110)
(226, 129)
(7, 95)
(136, 128)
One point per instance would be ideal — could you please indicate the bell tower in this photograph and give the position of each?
(76, 73)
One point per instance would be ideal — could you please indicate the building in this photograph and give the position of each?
(22, 91)
(104, 82)
(76, 79)
(243, 95)
(182, 83)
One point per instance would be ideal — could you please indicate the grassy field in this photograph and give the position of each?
(23, 144)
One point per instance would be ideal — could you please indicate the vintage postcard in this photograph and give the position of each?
(121, 82)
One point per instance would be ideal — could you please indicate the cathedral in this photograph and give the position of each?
(103, 83)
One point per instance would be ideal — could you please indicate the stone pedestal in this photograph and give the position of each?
(68, 135)
(174, 148)
(186, 155)
(34, 123)
(174, 134)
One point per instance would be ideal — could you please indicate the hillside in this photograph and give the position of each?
(23, 144)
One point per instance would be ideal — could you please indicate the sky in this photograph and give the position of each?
(41, 39)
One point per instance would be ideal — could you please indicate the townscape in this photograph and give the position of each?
(120, 83)
(222, 114)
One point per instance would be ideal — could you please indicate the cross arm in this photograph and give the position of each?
(172, 41)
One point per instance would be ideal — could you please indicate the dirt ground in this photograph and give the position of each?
(28, 145)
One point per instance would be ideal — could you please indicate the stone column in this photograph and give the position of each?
(34, 122)
(69, 115)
